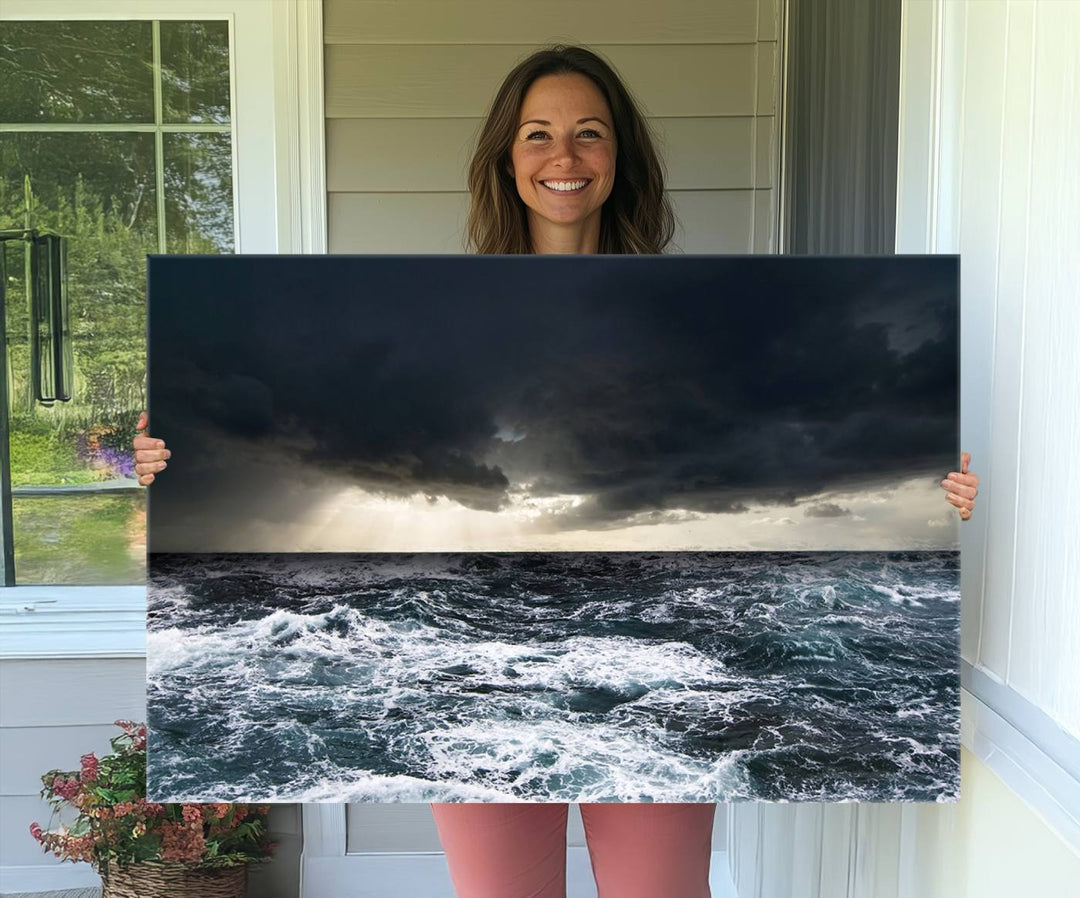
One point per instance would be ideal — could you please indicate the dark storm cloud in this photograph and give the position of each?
(648, 384)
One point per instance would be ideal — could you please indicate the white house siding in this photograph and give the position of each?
(990, 139)
(53, 712)
(408, 83)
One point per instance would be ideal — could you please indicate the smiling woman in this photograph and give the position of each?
(564, 165)
(563, 161)
(560, 117)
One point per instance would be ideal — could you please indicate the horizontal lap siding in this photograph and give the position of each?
(408, 84)
(525, 22)
(53, 712)
(460, 80)
(708, 221)
(380, 155)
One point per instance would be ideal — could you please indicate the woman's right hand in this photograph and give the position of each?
(150, 454)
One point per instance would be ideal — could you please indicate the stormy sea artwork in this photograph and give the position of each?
(553, 528)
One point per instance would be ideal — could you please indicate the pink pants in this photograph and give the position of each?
(519, 850)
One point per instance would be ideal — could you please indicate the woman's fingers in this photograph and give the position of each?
(961, 488)
(965, 479)
(960, 501)
(150, 453)
(966, 485)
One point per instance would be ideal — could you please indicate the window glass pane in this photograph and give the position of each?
(195, 71)
(97, 190)
(198, 193)
(76, 72)
(81, 540)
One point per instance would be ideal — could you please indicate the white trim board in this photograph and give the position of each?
(1056, 743)
(73, 622)
(301, 132)
(1027, 768)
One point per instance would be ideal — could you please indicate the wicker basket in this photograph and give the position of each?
(148, 880)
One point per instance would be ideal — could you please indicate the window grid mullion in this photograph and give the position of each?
(85, 127)
(159, 137)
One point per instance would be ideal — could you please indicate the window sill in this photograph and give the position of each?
(73, 622)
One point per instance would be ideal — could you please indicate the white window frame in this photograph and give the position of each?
(279, 196)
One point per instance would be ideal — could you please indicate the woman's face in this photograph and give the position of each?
(563, 154)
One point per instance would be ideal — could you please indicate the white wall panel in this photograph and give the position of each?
(1008, 187)
(765, 159)
(977, 234)
(1010, 274)
(53, 712)
(767, 92)
(769, 12)
(1045, 634)
(813, 850)
(766, 222)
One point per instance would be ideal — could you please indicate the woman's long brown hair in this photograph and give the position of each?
(637, 216)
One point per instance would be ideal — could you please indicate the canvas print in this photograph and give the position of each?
(553, 528)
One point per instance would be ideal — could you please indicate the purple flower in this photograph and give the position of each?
(120, 463)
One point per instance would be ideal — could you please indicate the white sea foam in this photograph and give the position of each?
(486, 706)
(587, 762)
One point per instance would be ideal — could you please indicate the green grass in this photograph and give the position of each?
(85, 540)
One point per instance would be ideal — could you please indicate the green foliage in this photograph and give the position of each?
(81, 539)
(116, 825)
(41, 458)
(76, 72)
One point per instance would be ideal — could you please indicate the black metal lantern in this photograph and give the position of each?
(51, 357)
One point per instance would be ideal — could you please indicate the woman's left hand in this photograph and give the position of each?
(961, 488)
